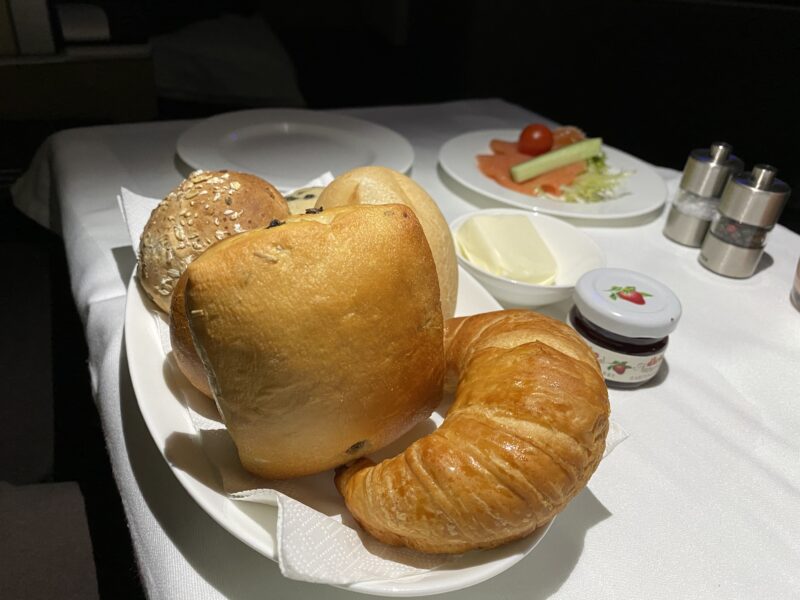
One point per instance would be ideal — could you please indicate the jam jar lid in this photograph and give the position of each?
(627, 303)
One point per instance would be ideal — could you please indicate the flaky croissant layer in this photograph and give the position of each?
(524, 434)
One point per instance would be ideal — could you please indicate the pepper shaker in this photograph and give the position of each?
(749, 208)
(706, 172)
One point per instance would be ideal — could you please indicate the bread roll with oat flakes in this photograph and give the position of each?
(321, 337)
(206, 207)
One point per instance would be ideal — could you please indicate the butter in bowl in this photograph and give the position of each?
(524, 258)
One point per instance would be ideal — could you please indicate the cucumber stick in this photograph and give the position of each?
(557, 158)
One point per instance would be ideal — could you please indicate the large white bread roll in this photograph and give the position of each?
(208, 206)
(380, 185)
(322, 337)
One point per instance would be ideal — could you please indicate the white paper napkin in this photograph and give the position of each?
(317, 539)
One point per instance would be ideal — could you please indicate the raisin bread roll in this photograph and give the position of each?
(322, 337)
(301, 200)
(380, 185)
(526, 431)
(205, 208)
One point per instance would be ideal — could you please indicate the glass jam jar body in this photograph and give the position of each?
(625, 362)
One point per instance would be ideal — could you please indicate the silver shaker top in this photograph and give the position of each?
(708, 169)
(756, 198)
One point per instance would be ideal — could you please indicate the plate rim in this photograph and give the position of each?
(257, 116)
(524, 201)
(136, 306)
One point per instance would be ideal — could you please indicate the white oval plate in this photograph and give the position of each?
(644, 190)
(288, 147)
(158, 395)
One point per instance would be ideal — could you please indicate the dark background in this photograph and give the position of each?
(655, 78)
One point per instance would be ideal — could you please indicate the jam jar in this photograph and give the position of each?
(625, 317)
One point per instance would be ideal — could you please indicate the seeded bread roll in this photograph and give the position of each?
(322, 337)
(302, 199)
(206, 207)
(379, 185)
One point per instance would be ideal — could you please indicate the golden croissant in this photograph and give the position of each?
(525, 432)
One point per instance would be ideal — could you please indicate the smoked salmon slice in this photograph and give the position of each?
(498, 167)
(503, 147)
(564, 136)
(507, 154)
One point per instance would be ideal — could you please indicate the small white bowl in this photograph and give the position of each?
(574, 251)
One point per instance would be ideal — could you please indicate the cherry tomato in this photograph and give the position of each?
(535, 139)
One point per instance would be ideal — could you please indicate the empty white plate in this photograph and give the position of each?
(287, 147)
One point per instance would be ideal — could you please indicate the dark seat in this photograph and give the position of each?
(26, 374)
(46, 550)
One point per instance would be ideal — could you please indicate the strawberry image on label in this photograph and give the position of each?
(619, 367)
(629, 293)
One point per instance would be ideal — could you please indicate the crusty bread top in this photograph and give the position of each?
(205, 208)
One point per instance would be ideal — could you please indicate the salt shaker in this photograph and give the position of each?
(749, 208)
(706, 172)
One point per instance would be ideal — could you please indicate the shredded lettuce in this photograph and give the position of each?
(599, 182)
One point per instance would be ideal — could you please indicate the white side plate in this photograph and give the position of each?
(288, 147)
(642, 192)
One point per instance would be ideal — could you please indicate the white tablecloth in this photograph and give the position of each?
(702, 501)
